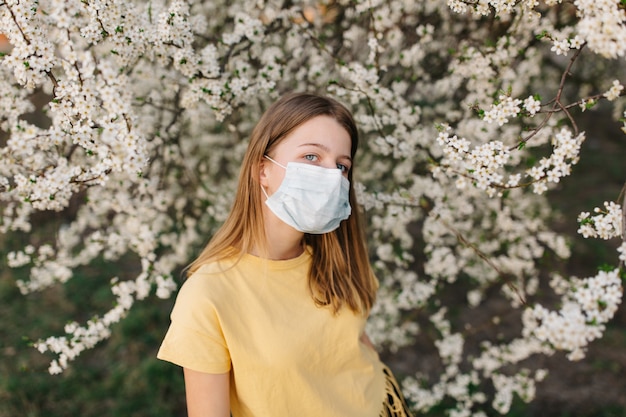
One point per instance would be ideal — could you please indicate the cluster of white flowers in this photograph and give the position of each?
(587, 306)
(532, 105)
(484, 166)
(245, 27)
(506, 108)
(602, 25)
(32, 57)
(562, 47)
(82, 338)
(622, 252)
(566, 150)
(615, 91)
(507, 386)
(605, 224)
(149, 105)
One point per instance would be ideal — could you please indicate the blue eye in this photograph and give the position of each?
(343, 168)
(310, 157)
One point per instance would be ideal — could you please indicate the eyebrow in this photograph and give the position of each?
(324, 148)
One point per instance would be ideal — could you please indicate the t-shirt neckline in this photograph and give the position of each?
(282, 264)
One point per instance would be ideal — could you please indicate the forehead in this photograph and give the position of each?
(320, 130)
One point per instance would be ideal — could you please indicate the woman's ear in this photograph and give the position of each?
(263, 173)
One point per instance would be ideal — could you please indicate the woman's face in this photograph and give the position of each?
(319, 141)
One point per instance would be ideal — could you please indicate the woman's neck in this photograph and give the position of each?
(283, 241)
(278, 253)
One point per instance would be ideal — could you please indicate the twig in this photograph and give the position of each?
(16, 23)
(485, 258)
(557, 102)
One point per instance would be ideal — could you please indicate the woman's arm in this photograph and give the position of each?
(207, 394)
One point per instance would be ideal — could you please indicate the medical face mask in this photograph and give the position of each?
(311, 199)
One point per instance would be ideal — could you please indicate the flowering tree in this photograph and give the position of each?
(468, 110)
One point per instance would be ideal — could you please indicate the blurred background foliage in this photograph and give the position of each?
(122, 377)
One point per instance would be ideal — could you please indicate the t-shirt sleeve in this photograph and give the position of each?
(195, 339)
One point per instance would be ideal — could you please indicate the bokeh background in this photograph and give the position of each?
(122, 377)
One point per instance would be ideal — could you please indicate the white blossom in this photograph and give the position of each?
(532, 105)
(615, 91)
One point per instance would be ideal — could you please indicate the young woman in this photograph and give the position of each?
(270, 322)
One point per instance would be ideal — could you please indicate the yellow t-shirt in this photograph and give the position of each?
(288, 356)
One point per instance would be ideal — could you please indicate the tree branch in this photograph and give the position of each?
(485, 258)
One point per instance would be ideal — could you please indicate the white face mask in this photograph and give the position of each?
(311, 199)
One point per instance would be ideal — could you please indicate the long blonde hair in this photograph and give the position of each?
(340, 272)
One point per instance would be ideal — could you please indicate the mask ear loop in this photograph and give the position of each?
(265, 192)
(263, 188)
(280, 165)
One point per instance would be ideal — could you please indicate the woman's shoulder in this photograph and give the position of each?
(211, 270)
(215, 273)
(219, 266)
